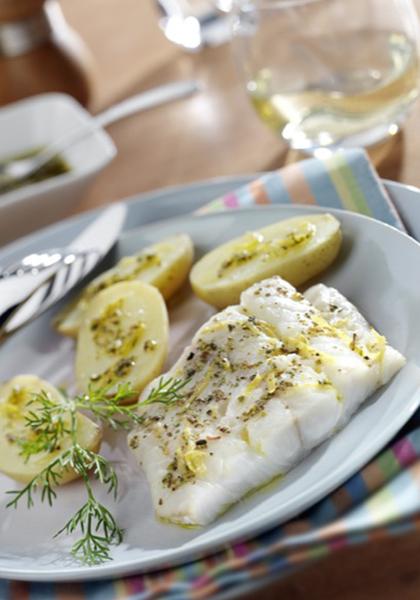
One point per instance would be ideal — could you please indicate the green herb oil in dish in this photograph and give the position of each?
(56, 166)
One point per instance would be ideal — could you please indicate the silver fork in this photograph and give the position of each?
(39, 261)
(24, 297)
(48, 292)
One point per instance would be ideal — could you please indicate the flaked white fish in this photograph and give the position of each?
(331, 334)
(268, 380)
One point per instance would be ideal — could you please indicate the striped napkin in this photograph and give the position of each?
(382, 499)
(343, 180)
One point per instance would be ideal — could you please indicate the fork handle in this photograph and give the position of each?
(145, 100)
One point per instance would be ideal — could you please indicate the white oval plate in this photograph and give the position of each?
(378, 269)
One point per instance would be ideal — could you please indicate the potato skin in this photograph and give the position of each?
(12, 464)
(175, 256)
(170, 279)
(297, 264)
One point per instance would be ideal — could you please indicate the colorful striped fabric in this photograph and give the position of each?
(382, 500)
(343, 180)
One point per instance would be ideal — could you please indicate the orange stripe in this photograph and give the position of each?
(19, 590)
(342, 500)
(205, 592)
(373, 477)
(304, 555)
(336, 529)
(69, 591)
(259, 193)
(296, 185)
(296, 527)
(416, 522)
(378, 534)
(415, 472)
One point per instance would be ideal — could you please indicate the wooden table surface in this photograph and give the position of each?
(214, 133)
(211, 134)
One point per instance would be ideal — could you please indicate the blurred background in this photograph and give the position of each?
(103, 51)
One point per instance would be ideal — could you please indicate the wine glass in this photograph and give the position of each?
(328, 73)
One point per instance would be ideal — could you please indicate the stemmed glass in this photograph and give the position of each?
(327, 73)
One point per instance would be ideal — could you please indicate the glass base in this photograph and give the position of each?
(363, 139)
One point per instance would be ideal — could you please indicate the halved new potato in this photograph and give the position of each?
(123, 337)
(296, 249)
(165, 265)
(15, 396)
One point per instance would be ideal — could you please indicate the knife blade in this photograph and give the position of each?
(99, 236)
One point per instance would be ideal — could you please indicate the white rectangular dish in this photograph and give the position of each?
(35, 122)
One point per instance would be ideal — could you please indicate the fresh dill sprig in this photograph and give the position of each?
(49, 423)
(46, 480)
(166, 392)
(99, 530)
(110, 411)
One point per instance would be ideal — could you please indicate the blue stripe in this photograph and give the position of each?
(232, 577)
(275, 188)
(4, 589)
(99, 590)
(358, 537)
(322, 513)
(245, 197)
(414, 439)
(271, 537)
(319, 182)
(401, 527)
(192, 570)
(414, 422)
(357, 489)
(41, 591)
(279, 562)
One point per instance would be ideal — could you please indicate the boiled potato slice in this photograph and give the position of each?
(14, 398)
(123, 337)
(296, 249)
(165, 265)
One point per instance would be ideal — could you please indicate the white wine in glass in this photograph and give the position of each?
(327, 73)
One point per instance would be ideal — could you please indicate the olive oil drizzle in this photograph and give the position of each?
(109, 334)
(256, 246)
(54, 167)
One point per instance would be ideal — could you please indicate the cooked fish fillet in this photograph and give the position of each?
(264, 388)
(331, 333)
(343, 315)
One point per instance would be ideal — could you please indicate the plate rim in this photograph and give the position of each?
(156, 195)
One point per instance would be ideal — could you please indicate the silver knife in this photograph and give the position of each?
(48, 288)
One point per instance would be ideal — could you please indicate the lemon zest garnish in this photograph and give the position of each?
(271, 382)
(226, 364)
(253, 384)
(202, 385)
(245, 436)
(260, 326)
(214, 327)
(195, 462)
(9, 411)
